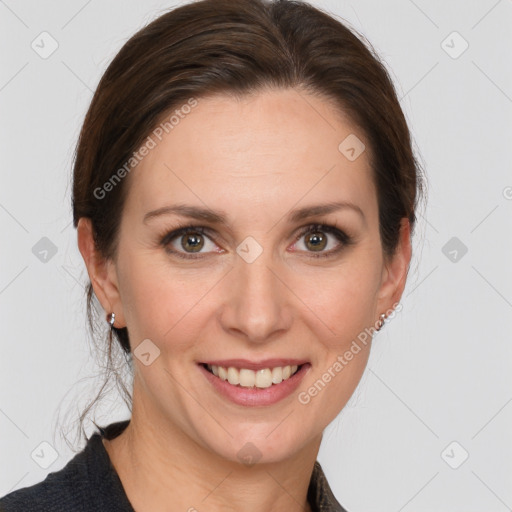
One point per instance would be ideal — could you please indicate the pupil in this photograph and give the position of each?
(197, 242)
(317, 240)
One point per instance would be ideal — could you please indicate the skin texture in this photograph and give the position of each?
(256, 159)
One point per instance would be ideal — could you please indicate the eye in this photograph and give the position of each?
(190, 240)
(316, 240)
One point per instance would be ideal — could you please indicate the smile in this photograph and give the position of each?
(266, 383)
(244, 377)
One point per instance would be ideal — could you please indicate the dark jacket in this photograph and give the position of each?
(89, 483)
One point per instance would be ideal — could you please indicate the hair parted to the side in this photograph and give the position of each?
(236, 48)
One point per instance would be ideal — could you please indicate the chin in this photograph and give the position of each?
(262, 443)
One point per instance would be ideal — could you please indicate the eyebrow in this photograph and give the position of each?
(220, 217)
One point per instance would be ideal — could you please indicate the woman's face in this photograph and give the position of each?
(257, 286)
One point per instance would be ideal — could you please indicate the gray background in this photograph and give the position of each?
(439, 372)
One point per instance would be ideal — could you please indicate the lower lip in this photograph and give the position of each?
(256, 396)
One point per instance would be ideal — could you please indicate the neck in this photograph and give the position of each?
(160, 465)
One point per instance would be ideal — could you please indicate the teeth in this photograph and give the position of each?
(233, 376)
(277, 375)
(246, 378)
(223, 373)
(263, 378)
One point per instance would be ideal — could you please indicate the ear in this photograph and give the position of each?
(394, 274)
(102, 272)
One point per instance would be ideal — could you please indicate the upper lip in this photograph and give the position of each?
(255, 365)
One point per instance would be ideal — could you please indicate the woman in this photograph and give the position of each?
(244, 196)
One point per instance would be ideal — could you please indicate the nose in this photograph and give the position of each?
(257, 302)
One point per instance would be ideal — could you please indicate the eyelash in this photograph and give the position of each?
(342, 237)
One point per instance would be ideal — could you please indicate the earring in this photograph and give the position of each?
(111, 318)
(382, 317)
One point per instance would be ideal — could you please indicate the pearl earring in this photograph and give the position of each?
(111, 318)
(382, 317)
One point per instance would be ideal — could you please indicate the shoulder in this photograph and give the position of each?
(60, 490)
(320, 495)
(85, 483)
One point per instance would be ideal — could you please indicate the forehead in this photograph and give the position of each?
(268, 150)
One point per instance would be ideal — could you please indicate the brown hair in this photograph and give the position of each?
(238, 48)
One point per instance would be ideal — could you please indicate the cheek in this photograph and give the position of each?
(341, 301)
(346, 305)
(345, 301)
(159, 301)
